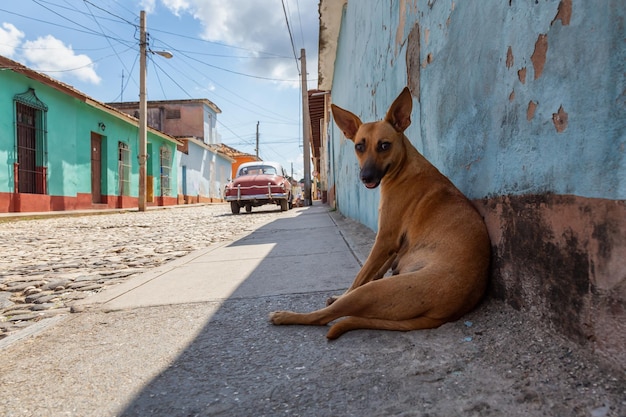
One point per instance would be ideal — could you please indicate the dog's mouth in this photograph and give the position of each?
(371, 185)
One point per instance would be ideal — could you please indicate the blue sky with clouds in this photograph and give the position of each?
(236, 53)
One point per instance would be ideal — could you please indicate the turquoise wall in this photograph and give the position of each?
(70, 122)
(7, 131)
(471, 106)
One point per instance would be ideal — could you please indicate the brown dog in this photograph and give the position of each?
(429, 234)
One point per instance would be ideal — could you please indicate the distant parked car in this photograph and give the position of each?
(258, 183)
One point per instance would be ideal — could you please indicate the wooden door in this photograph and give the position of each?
(27, 149)
(96, 168)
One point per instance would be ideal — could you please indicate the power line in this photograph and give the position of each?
(235, 56)
(90, 64)
(189, 63)
(231, 131)
(216, 43)
(123, 6)
(102, 30)
(129, 78)
(293, 46)
(171, 79)
(179, 52)
(300, 21)
(87, 30)
(159, 79)
(258, 108)
(241, 73)
(109, 12)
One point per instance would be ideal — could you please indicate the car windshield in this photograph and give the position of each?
(257, 169)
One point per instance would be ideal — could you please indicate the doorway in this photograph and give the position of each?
(96, 168)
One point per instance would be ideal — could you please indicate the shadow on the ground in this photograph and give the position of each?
(492, 362)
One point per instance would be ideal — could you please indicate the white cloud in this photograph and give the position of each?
(10, 39)
(176, 6)
(148, 5)
(50, 55)
(286, 70)
(247, 24)
(258, 26)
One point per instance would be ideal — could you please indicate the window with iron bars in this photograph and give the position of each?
(123, 168)
(166, 168)
(31, 165)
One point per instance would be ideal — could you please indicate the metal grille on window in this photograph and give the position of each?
(32, 158)
(166, 167)
(123, 168)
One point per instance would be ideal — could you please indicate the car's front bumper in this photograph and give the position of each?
(257, 193)
(257, 197)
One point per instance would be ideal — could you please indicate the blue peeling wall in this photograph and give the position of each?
(477, 80)
(522, 104)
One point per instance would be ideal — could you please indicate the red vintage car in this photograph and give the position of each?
(258, 183)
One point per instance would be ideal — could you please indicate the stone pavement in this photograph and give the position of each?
(50, 260)
(191, 337)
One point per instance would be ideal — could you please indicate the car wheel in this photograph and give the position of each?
(284, 206)
(234, 207)
(248, 208)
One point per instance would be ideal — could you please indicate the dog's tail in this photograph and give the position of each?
(353, 323)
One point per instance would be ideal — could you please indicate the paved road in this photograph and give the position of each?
(191, 337)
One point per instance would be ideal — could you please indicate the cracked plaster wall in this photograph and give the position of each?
(523, 105)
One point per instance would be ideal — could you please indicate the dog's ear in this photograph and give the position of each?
(348, 122)
(399, 114)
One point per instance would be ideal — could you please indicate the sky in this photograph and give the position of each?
(243, 55)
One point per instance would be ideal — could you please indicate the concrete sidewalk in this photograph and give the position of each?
(302, 252)
(192, 338)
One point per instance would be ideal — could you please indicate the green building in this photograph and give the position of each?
(62, 150)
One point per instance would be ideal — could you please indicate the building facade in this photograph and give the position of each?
(62, 150)
(203, 170)
(195, 118)
(237, 156)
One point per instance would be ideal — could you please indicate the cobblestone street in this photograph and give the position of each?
(47, 263)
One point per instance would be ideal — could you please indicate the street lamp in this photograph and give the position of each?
(164, 54)
(143, 109)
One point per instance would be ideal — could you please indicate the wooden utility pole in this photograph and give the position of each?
(306, 132)
(142, 153)
(257, 140)
(142, 113)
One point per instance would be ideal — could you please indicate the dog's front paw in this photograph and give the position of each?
(276, 317)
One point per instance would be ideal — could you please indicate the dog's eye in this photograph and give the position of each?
(359, 147)
(384, 146)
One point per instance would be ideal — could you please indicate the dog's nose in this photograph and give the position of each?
(369, 176)
(366, 176)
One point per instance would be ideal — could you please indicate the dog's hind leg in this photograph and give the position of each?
(354, 323)
(381, 273)
(346, 305)
(316, 318)
(394, 302)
